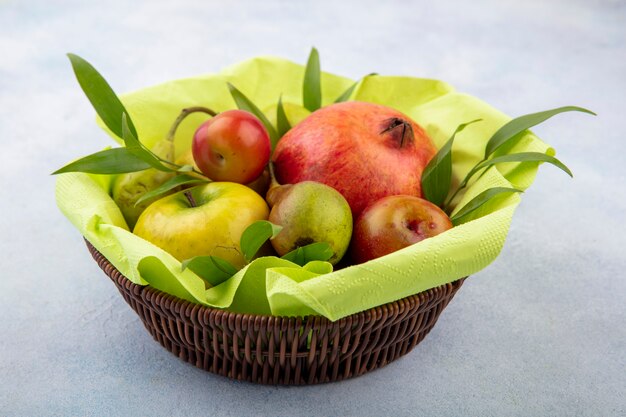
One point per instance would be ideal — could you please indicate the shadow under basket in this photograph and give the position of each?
(283, 350)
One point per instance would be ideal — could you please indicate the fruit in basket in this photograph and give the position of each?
(128, 188)
(260, 184)
(232, 146)
(393, 223)
(204, 220)
(365, 151)
(311, 212)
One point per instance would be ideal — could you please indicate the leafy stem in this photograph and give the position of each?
(134, 156)
(461, 186)
(436, 177)
(178, 167)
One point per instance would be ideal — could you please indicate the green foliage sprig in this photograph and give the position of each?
(436, 178)
(312, 84)
(135, 156)
(244, 103)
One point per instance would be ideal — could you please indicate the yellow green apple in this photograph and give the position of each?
(207, 219)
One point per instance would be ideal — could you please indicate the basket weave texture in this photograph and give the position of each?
(283, 350)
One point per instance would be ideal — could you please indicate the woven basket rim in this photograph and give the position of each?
(180, 305)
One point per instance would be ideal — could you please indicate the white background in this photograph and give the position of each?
(539, 332)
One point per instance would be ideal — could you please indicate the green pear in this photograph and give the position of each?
(310, 212)
(130, 187)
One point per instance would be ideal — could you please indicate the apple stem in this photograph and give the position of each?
(190, 198)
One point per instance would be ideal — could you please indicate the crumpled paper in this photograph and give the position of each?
(270, 285)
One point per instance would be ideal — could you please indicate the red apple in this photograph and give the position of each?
(260, 184)
(232, 146)
(393, 223)
(365, 151)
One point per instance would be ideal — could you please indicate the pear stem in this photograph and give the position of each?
(190, 198)
(172, 133)
(273, 181)
(183, 114)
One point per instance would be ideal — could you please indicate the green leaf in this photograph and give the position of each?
(282, 123)
(437, 176)
(185, 168)
(521, 157)
(101, 95)
(170, 185)
(318, 251)
(312, 86)
(109, 161)
(212, 269)
(244, 103)
(519, 124)
(136, 148)
(296, 256)
(255, 236)
(345, 96)
(480, 199)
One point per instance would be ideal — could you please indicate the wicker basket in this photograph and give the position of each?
(283, 350)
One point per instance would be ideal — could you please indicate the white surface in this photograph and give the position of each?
(539, 332)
